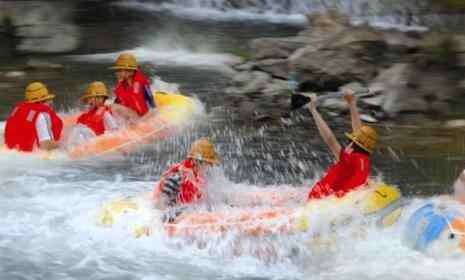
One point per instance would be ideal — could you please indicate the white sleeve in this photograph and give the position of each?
(43, 127)
(109, 122)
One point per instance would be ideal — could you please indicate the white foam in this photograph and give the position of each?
(206, 13)
(274, 12)
(387, 22)
(219, 61)
(48, 227)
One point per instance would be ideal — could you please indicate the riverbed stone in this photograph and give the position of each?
(275, 67)
(275, 48)
(332, 66)
(249, 82)
(248, 66)
(276, 87)
(409, 72)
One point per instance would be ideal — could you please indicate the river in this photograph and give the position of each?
(48, 227)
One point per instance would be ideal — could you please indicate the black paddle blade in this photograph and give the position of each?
(298, 101)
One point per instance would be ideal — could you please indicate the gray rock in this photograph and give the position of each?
(403, 91)
(328, 66)
(265, 48)
(275, 67)
(335, 104)
(392, 83)
(248, 66)
(356, 34)
(397, 38)
(376, 101)
(250, 82)
(232, 91)
(276, 87)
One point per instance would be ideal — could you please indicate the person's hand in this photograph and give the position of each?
(312, 104)
(349, 96)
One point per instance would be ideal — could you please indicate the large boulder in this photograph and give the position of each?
(275, 67)
(248, 82)
(400, 90)
(335, 67)
(356, 34)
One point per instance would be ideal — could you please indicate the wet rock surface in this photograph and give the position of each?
(409, 72)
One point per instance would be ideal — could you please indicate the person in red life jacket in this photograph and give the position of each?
(184, 183)
(33, 124)
(352, 166)
(132, 90)
(99, 117)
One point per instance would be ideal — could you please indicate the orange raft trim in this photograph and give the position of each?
(266, 222)
(173, 110)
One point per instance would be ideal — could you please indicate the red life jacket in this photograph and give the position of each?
(132, 96)
(191, 182)
(20, 129)
(94, 119)
(349, 173)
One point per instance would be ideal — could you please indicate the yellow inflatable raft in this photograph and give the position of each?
(173, 110)
(378, 201)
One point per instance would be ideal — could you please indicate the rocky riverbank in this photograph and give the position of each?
(410, 72)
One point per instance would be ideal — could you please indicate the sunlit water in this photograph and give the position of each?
(48, 208)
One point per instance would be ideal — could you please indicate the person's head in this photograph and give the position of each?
(363, 140)
(203, 153)
(37, 92)
(95, 94)
(125, 66)
(459, 188)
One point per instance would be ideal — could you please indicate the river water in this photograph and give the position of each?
(48, 227)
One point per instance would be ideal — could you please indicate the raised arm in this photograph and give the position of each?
(354, 115)
(325, 132)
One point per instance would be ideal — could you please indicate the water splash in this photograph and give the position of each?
(169, 57)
